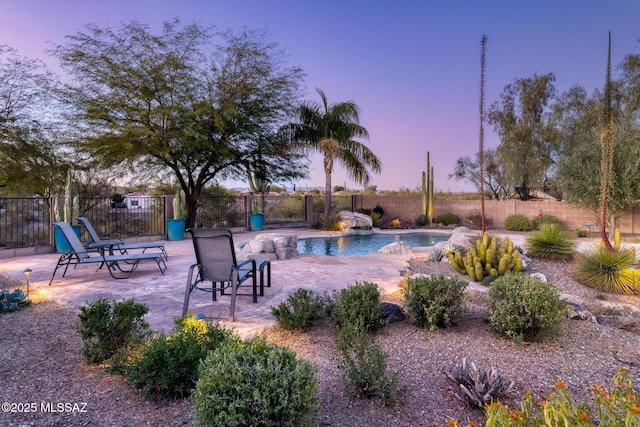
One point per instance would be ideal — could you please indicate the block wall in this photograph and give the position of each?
(573, 217)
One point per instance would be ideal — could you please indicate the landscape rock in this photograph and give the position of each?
(286, 253)
(262, 256)
(260, 245)
(355, 220)
(398, 248)
(392, 313)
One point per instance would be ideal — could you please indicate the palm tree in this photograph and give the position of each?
(330, 129)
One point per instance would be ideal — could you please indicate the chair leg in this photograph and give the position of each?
(263, 265)
(187, 292)
(234, 286)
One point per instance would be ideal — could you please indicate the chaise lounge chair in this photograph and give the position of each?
(117, 244)
(119, 266)
(216, 263)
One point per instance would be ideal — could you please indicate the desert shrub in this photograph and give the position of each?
(521, 306)
(537, 221)
(607, 271)
(360, 301)
(447, 218)
(550, 242)
(106, 328)
(422, 220)
(517, 222)
(474, 220)
(363, 364)
(477, 386)
(250, 382)
(581, 232)
(299, 310)
(435, 255)
(435, 301)
(168, 365)
(617, 407)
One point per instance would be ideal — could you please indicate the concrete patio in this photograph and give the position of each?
(164, 294)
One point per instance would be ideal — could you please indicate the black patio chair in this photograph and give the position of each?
(119, 266)
(216, 263)
(96, 243)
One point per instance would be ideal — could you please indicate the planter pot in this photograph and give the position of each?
(256, 221)
(175, 229)
(62, 246)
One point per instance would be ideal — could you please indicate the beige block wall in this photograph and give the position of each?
(573, 217)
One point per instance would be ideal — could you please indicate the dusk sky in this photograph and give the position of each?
(413, 67)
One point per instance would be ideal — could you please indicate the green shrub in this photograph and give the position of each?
(517, 222)
(447, 218)
(474, 220)
(299, 310)
(168, 365)
(521, 306)
(105, 328)
(537, 221)
(550, 242)
(581, 232)
(364, 364)
(436, 301)
(360, 301)
(607, 271)
(250, 382)
(422, 220)
(435, 255)
(618, 407)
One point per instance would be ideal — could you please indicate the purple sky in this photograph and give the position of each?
(413, 67)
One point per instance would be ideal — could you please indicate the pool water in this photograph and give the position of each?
(358, 245)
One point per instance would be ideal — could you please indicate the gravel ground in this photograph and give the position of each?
(43, 365)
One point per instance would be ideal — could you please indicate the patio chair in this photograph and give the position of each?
(96, 243)
(216, 263)
(119, 266)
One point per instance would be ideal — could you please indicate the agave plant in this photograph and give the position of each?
(550, 242)
(478, 386)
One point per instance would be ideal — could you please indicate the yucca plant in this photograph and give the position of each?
(608, 271)
(550, 242)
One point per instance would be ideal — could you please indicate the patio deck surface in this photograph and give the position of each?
(164, 294)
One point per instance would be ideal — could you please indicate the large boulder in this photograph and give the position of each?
(460, 235)
(272, 246)
(356, 220)
(398, 248)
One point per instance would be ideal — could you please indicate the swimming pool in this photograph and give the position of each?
(358, 245)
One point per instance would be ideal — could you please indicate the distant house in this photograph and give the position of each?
(139, 200)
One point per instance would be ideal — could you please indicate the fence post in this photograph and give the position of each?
(308, 208)
(247, 210)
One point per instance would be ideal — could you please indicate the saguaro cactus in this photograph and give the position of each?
(427, 190)
(179, 205)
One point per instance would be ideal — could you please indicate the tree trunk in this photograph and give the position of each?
(192, 207)
(327, 197)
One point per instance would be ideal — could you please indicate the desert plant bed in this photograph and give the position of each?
(43, 356)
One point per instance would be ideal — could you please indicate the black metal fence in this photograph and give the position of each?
(221, 212)
(26, 222)
(134, 217)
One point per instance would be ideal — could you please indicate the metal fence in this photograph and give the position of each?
(221, 212)
(135, 217)
(284, 209)
(24, 222)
